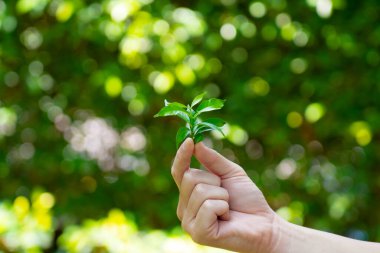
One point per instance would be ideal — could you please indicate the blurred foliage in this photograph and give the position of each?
(26, 226)
(81, 80)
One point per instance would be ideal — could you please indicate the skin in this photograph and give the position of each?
(222, 207)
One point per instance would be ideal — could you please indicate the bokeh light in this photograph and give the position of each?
(294, 119)
(258, 86)
(64, 11)
(81, 154)
(314, 112)
(257, 9)
(361, 131)
(8, 120)
(228, 31)
(113, 86)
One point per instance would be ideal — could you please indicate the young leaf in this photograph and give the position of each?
(182, 134)
(215, 121)
(202, 129)
(190, 110)
(198, 138)
(205, 126)
(195, 127)
(173, 110)
(209, 125)
(209, 105)
(174, 104)
(197, 99)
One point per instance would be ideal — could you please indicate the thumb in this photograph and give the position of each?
(216, 163)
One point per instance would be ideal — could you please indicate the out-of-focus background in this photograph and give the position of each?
(84, 167)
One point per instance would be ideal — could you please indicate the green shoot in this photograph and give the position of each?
(195, 126)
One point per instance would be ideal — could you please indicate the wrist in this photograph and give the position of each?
(291, 238)
(281, 235)
(274, 238)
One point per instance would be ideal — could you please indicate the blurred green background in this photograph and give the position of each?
(84, 167)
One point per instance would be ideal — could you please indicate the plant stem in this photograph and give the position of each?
(192, 131)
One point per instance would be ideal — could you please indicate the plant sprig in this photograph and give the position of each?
(195, 126)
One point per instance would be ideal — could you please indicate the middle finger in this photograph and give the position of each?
(191, 178)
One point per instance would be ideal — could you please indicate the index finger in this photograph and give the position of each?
(216, 163)
(182, 160)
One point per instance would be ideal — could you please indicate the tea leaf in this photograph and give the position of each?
(198, 138)
(182, 134)
(216, 121)
(167, 103)
(205, 126)
(195, 127)
(197, 99)
(209, 105)
(174, 110)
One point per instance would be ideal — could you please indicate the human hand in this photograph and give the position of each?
(222, 207)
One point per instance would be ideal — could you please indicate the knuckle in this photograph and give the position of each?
(226, 195)
(199, 189)
(218, 181)
(188, 177)
(225, 206)
(208, 177)
(207, 204)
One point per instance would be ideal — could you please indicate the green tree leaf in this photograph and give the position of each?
(205, 126)
(215, 121)
(197, 99)
(195, 127)
(182, 134)
(198, 138)
(174, 110)
(167, 103)
(209, 105)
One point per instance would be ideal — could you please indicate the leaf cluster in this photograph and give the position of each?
(195, 126)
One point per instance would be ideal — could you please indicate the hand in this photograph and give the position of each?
(222, 207)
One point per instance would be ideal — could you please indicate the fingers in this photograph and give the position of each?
(216, 163)
(200, 194)
(204, 229)
(190, 179)
(182, 160)
(208, 214)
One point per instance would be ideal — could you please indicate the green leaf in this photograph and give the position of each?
(174, 110)
(215, 121)
(190, 110)
(174, 104)
(195, 127)
(202, 129)
(197, 99)
(209, 105)
(182, 134)
(198, 138)
(205, 126)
